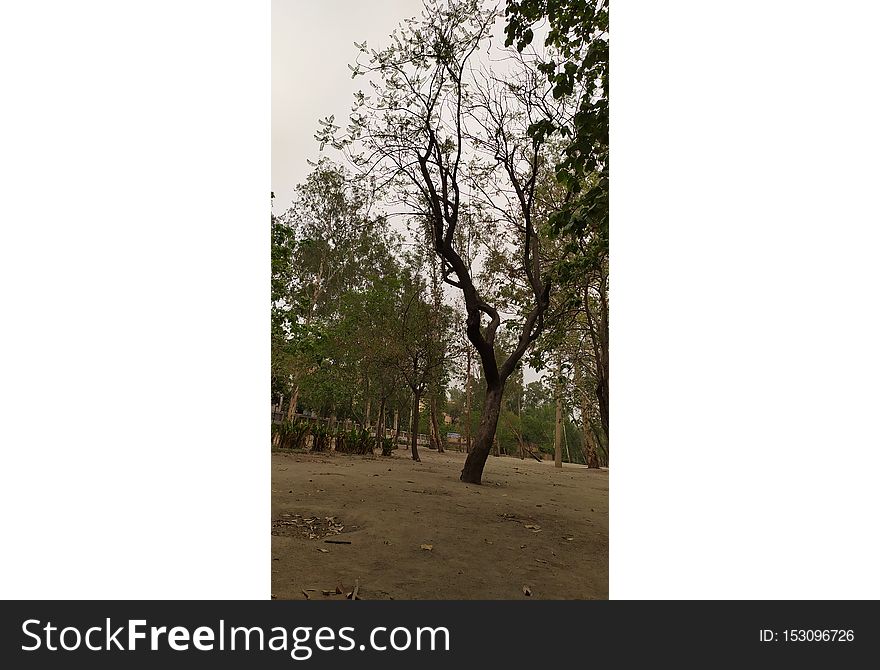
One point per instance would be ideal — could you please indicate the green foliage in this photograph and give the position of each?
(355, 442)
(387, 446)
(578, 68)
(291, 434)
(294, 435)
(321, 437)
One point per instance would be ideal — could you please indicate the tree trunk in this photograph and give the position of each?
(467, 424)
(291, 410)
(565, 441)
(472, 473)
(414, 428)
(589, 442)
(331, 425)
(589, 445)
(380, 423)
(396, 427)
(367, 411)
(599, 336)
(435, 428)
(557, 442)
(602, 395)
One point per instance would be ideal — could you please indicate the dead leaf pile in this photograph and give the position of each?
(311, 528)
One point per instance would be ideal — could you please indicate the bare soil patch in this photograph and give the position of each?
(416, 532)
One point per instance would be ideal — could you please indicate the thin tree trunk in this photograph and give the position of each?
(435, 428)
(589, 442)
(367, 411)
(414, 427)
(396, 426)
(331, 426)
(599, 336)
(472, 473)
(380, 427)
(467, 425)
(589, 445)
(557, 442)
(291, 410)
(565, 441)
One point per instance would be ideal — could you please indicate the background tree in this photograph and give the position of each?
(577, 67)
(421, 346)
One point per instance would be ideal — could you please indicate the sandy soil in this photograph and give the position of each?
(528, 524)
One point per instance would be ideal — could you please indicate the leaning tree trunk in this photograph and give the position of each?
(414, 428)
(472, 473)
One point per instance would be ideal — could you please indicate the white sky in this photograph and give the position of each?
(312, 44)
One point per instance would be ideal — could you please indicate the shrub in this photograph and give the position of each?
(290, 434)
(387, 446)
(321, 439)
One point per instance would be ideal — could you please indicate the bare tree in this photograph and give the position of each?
(441, 133)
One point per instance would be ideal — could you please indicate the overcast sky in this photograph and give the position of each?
(312, 44)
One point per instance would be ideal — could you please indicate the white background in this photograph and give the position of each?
(134, 264)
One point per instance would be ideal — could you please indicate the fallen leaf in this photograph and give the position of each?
(532, 526)
(305, 593)
(526, 591)
(323, 551)
(569, 539)
(427, 547)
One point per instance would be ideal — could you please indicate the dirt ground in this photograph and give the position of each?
(417, 533)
